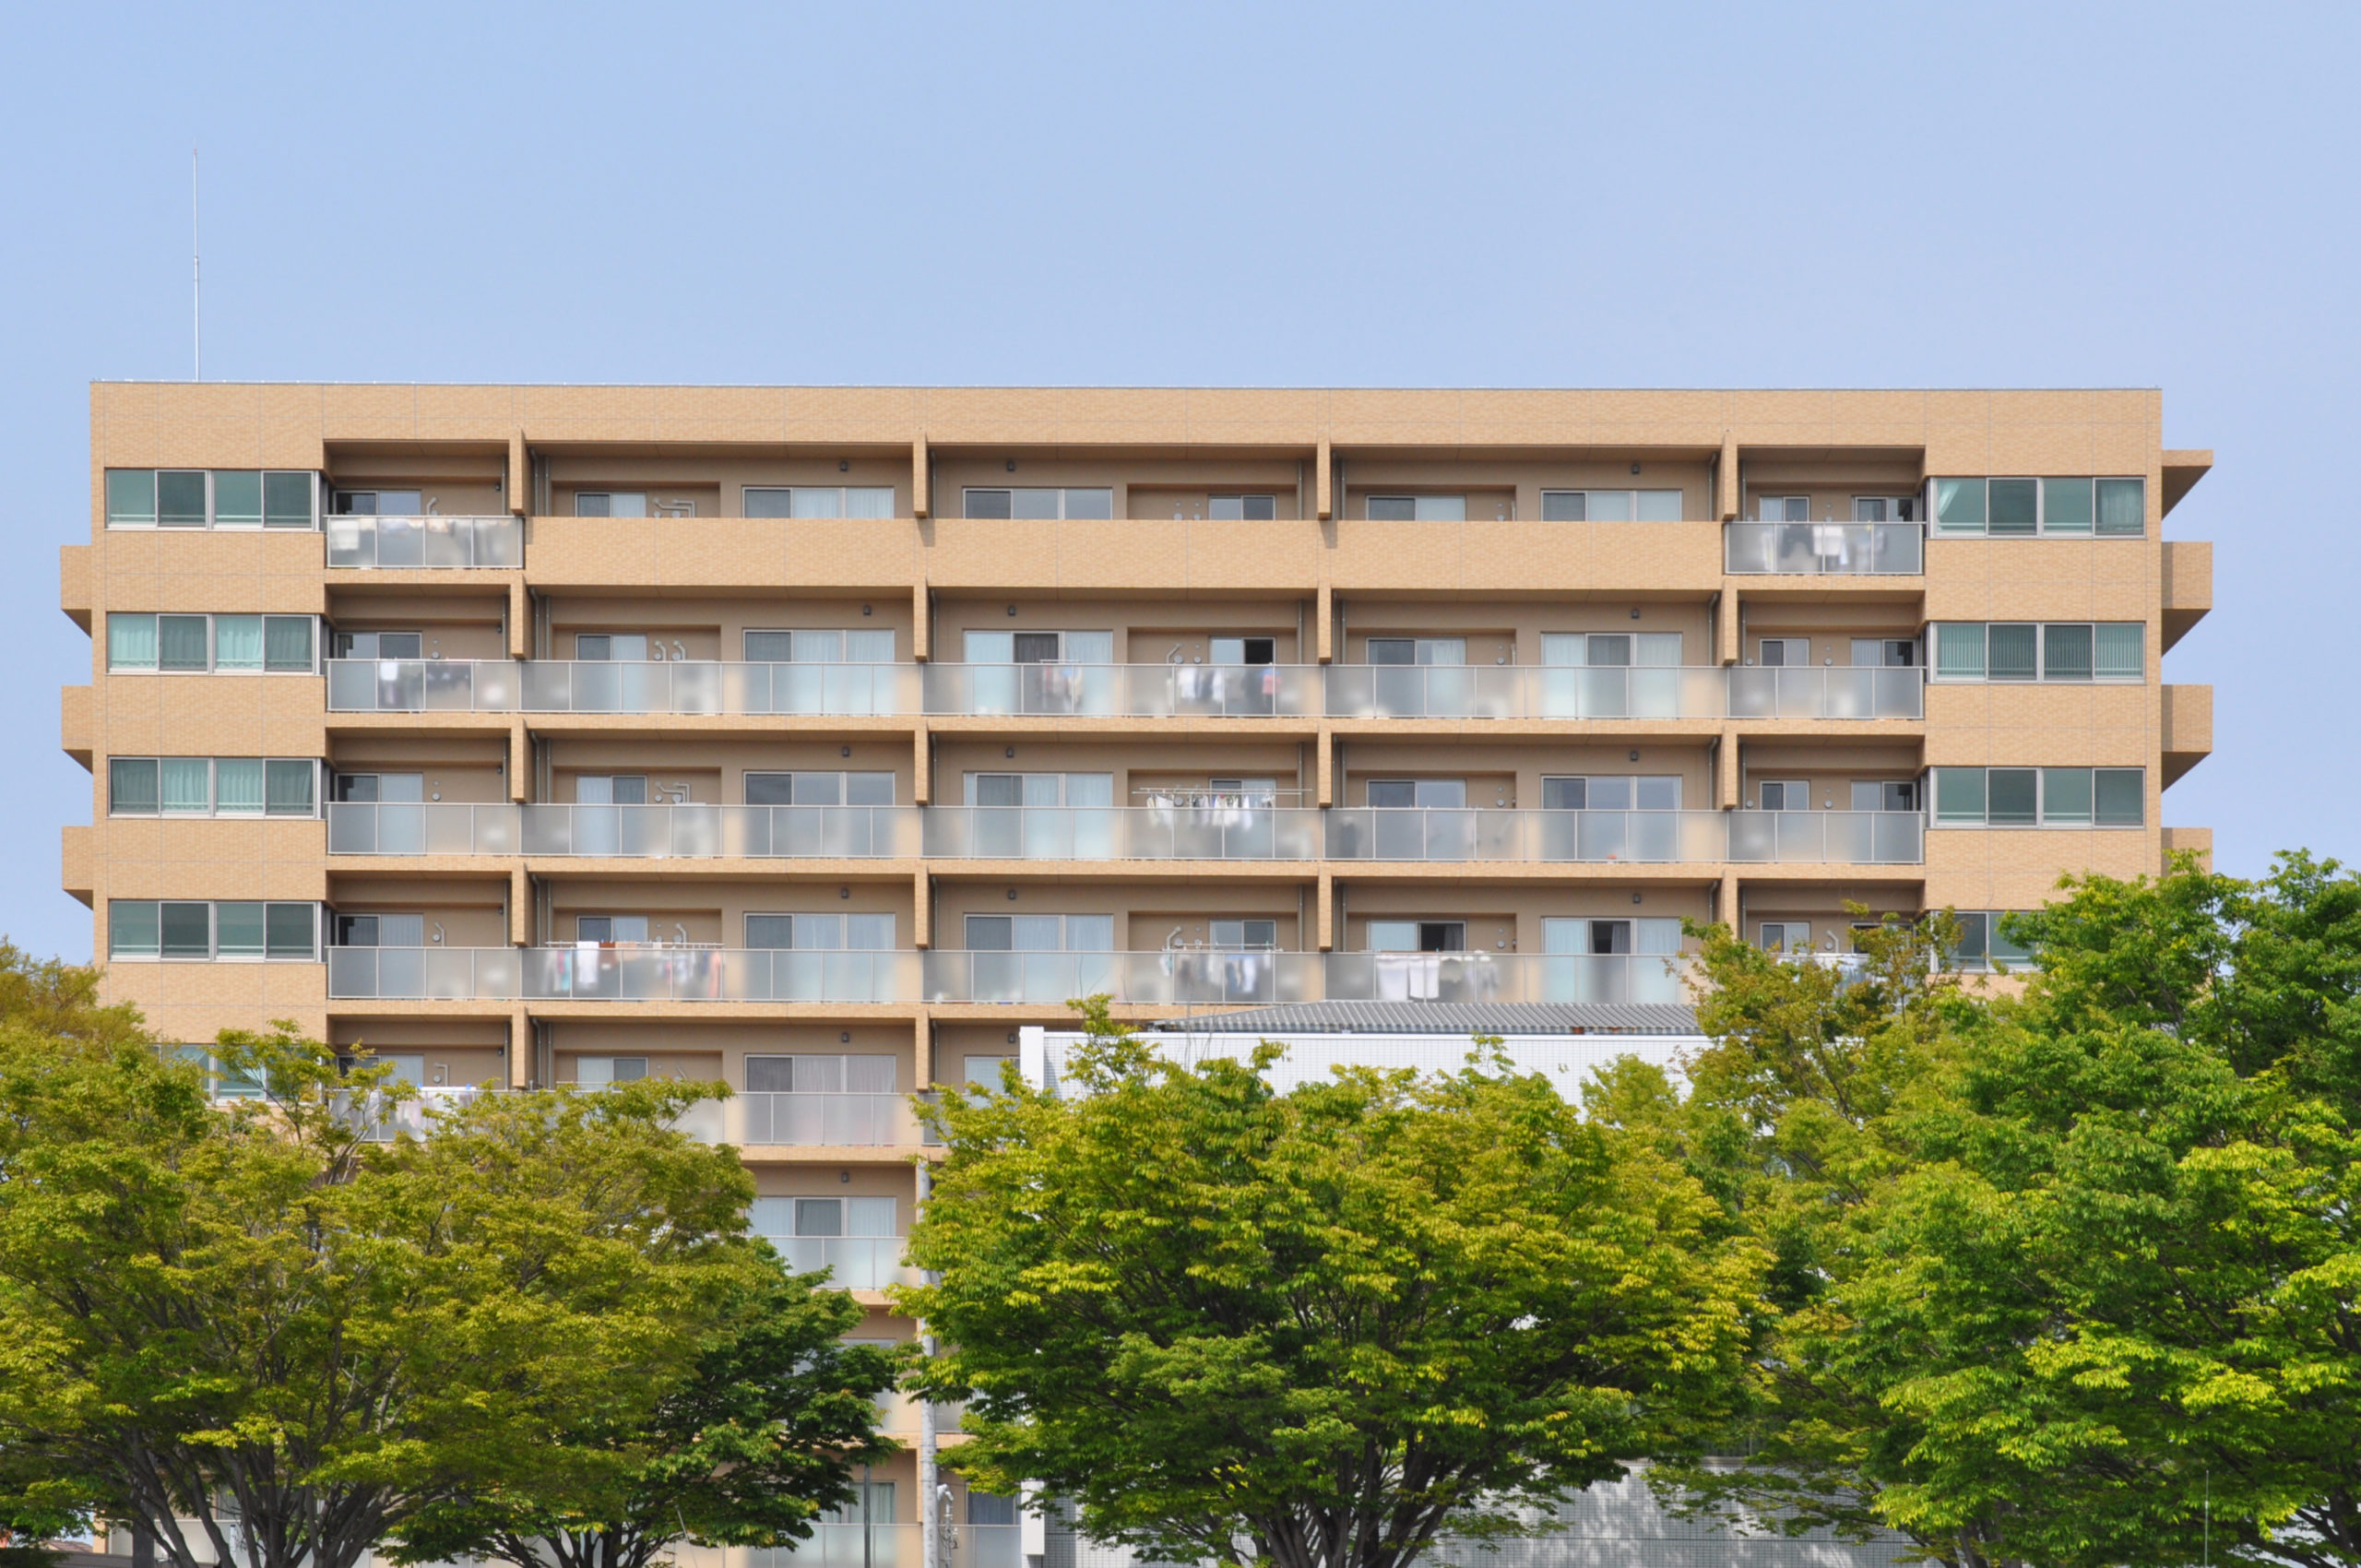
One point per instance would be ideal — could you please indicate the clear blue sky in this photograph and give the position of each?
(1657, 194)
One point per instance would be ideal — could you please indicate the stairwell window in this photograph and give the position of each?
(2040, 797)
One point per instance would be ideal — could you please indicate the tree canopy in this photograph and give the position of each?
(1324, 1325)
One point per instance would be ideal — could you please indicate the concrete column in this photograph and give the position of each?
(921, 914)
(520, 761)
(921, 766)
(1323, 500)
(1327, 909)
(520, 1049)
(1725, 497)
(921, 503)
(922, 624)
(1325, 754)
(520, 476)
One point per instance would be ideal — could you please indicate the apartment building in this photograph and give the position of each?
(821, 740)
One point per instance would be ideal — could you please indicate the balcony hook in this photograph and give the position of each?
(438, 933)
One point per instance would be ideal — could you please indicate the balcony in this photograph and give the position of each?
(380, 1120)
(833, 1545)
(1126, 691)
(1825, 550)
(618, 974)
(838, 1121)
(1123, 833)
(1199, 976)
(391, 543)
(854, 1262)
(1183, 977)
(656, 832)
(413, 685)
(1128, 833)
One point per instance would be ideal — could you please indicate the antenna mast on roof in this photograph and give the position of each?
(195, 271)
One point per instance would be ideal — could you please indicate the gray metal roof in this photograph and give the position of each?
(1443, 1018)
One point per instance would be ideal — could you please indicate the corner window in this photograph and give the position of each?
(2057, 651)
(197, 645)
(212, 498)
(2040, 797)
(198, 932)
(2063, 507)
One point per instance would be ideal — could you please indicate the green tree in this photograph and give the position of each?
(255, 1318)
(2123, 1291)
(746, 1450)
(1327, 1324)
(1800, 1117)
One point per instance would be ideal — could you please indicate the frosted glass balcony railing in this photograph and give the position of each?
(380, 1119)
(1123, 833)
(1412, 834)
(1805, 691)
(854, 1262)
(987, 1546)
(1139, 691)
(846, 1546)
(1178, 976)
(620, 974)
(624, 832)
(846, 1121)
(390, 542)
(1831, 837)
(544, 686)
(1824, 549)
(1526, 691)
(1505, 976)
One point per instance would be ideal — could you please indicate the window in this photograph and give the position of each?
(147, 786)
(596, 1072)
(1418, 936)
(1417, 509)
(610, 927)
(1612, 792)
(2040, 797)
(1602, 937)
(1039, 504)
(1041, 933)
(1610, 505)
(198, 932)
(824, 1217)
(381, 931)
(2062, 507)
(1243, 936)
(819, 789)
(1897, 653)
(1984, 944)
(1040, 789)
(1885, 795)
(379, 645)
(221, 498)
(1245, 651)
(279, 645)
(380, 503)
(1785, 936)
(1040, 648)
(611, 648)
(1785, 652)
(1243, 508)
(1783, 509)
(1885, 509)
(1610, 649)
(983, 1072)
(1417, 650)
(1429, 794)
(2057, 651)
(817, 647)
(831, 1074)
(860, 501)
(983, 1508)
(821, 933)
(397, 788)
(613, 503)
(610, 789)
(1785, 794)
